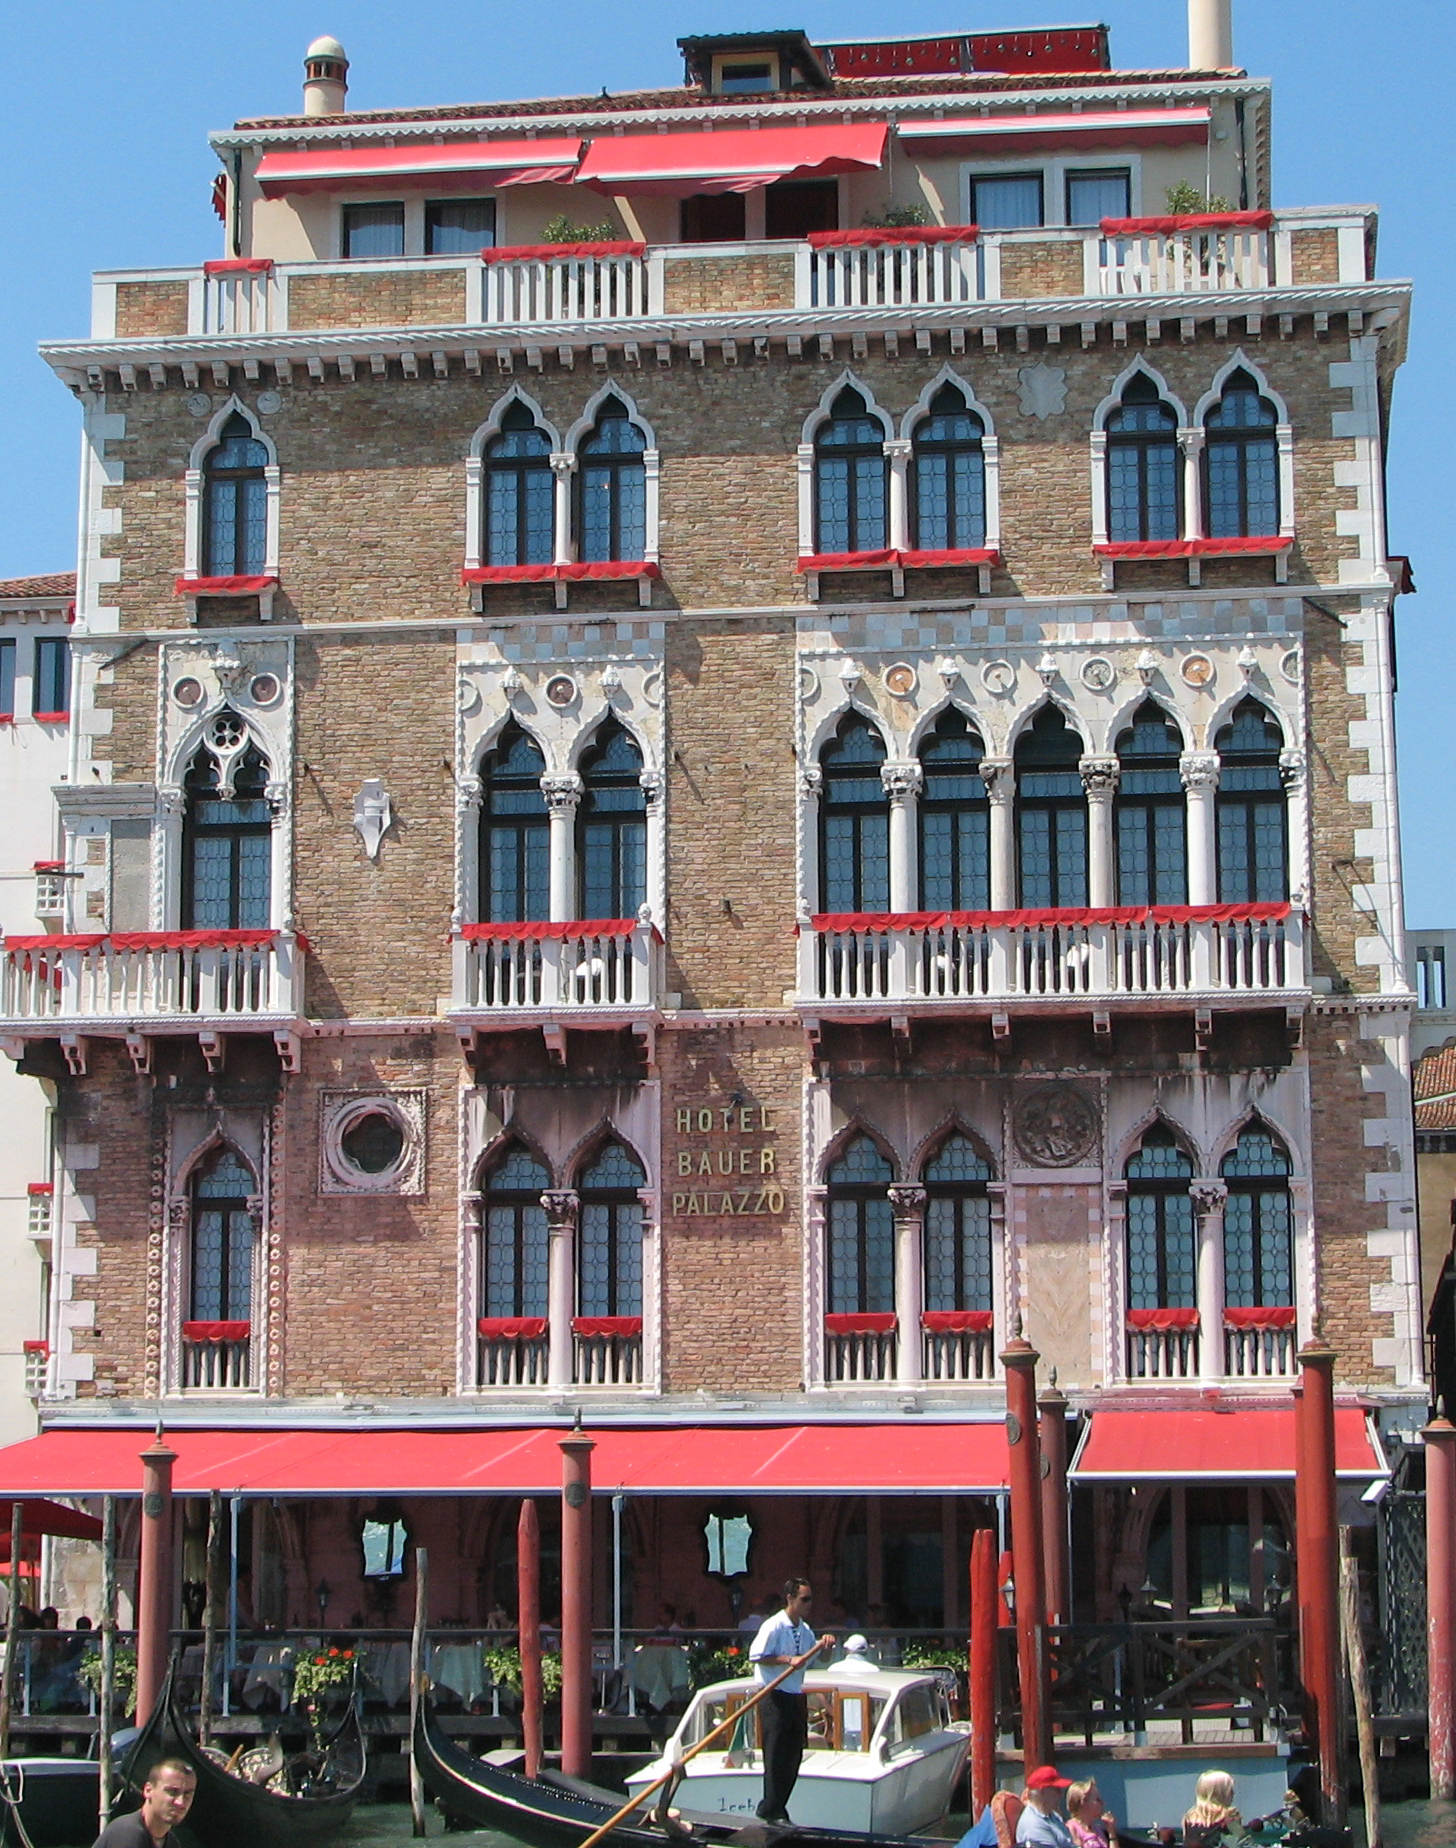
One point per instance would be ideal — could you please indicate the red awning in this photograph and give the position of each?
(1027, 134)
(39, 1516)
(730, 160)
(484, 163)
(1252, 1443)
(827, 1459)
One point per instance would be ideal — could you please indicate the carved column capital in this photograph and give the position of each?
(811, 779)
(171, 802)
(563, 463)
(997, 773)
(1199, 769)
(1292, 767)
(1099, 775)
(650, 782)
(907, 1200)
(1208, 1196)
(898, 448)
(902, 778)
(469, 794)
(561, 1206)
(562, 792)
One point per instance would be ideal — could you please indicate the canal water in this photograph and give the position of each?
(387, 1825)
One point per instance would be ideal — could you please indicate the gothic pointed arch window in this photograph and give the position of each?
(224, 1240)
(861, 1231)
(513, 1237)
(609, 1255)
(948, 476)
(851, 493)
(520, 495)
(854, 820)
(954, 818)
(1162, 1254)
(1258, 1222)
(514, 832)
(957, 1244)
(1051, 814)
(1142, 466)
(611, 827)
(1149, 811)
(235, 503)
(1241, 463)
(227, 833)
(1253, 845)
(611, 487)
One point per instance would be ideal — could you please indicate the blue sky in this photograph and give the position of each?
(104, 145)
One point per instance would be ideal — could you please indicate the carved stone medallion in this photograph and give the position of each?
(1055, 1125)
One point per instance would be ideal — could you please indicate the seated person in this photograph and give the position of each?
(1213, 1816)
(1091, 1825)
(1041, 1822)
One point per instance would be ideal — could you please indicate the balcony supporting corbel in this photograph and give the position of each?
(555, 1037)
(900, 1031)
(213, 1047)
(290, 1050)
(1294, 1025)
(73, 1045)
(645, 1032)
(1202, 1027)
(1000, 1025)
(139, 1049)
(1101, 1023)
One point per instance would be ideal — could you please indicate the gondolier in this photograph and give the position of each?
(166, 1798)
(784, 1641)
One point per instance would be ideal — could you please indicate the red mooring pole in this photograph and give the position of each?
(1053, 1432)
(982, 1685)
(154, 1575)
(576, 1605)
(528, 1617)
(1440, 1436)
(1319, 1566)
(1024, 1469)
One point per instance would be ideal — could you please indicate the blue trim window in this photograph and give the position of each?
(235, 503)
(851, 490)
(854, 820)
(227, 850)
(955, 819)
(1241, 463)
(948, 476)
(612, 487)
(1162, 1245)
(957, 1260)
(1253, 827)
(1258, 1223)
(611, 828)
(861, 1232)
(1142, 467)
(520, 494)
(514, 1237)
(1051, 814)
(514, 832)
(7, 678)
(1148, 814)
(609, 1266)
(224, 1232)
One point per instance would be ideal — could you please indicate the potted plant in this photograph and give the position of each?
(123, 1675)
(315, 1673)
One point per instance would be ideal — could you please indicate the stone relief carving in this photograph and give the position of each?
(1043, 390)
(1055, 1125)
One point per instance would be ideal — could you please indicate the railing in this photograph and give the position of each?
(525, 968)
(40, 1200)
(860, 1349)
(572, 285)
(37, 1365)
(888, 275)
(1162, 1344)
(973, 956)
(1259, 1343)
(1185, 262)
(608, 1350)
(957, 1345)
(216, 1357)
(152, 975)
(243, 302)
(512, 1351)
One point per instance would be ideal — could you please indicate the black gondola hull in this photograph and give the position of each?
(57, 1799)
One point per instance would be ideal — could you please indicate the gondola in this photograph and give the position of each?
(228, 1811)
(53, 1800)
(560, 1812)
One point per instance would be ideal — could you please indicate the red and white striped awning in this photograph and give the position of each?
(730, 160)
(449, 164)
(1032, 134)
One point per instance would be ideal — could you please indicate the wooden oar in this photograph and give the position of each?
(707, 1739)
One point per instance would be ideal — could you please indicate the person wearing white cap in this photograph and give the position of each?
(856, 1659)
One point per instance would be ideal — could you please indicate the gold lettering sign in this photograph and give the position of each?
(725, 1167)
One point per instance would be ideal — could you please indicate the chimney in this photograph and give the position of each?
(325, 78)
(1210, 35)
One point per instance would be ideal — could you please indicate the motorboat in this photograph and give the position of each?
(883, 1753)
(48, 1801)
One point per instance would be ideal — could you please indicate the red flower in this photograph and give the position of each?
(732, 1651)
(333, 1652)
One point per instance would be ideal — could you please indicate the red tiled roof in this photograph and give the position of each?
(55, 584)
(1434, 1079)
(846, 89)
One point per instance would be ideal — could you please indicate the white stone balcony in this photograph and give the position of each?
(215, 1357)
(513, 1353)
(957, 1347)
(584, 285)
(137, 984)
(1050, 961)
(604, 973)
(1170, 1344)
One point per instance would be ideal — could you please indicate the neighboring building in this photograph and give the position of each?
(35, 659)
(692, 826)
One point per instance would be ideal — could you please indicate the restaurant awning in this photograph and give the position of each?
(1030, 134)
(481, 163)
(730, 160)
(829, 1459)
(1249, 1444)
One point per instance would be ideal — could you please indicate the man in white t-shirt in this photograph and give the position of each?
(784, 1641)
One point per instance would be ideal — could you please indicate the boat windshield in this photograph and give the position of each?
(919, 1710)
(840, 1720)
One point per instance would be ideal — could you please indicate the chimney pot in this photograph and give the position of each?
(325, 78)
(1210, 35)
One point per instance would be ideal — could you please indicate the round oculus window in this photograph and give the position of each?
(373, 1143)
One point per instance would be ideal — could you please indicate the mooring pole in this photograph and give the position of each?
(1440, 1438)
(576, 1605)
(528, 1617)
(1019, 1360)
(154, 1575)
(1319, 1564)
(982, 1687)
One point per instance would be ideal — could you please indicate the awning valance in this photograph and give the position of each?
(827, 1459)
(483, 163)
(1251, 1444)
(730, 160)
(1031, 134)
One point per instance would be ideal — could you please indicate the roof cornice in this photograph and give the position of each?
(739, 112)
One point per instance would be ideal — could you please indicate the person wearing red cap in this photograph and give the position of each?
(1041, 1822)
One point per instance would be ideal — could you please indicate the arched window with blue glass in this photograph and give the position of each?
(956, 1259)
(1051, 814)
(514, 832)
(611, 827)
(224, 1238)
(948, 476)
(851, 492)
(1149, 815)
(954, 818)
(513, 1237)
(1241, 463)
(519, 492)
(1253, 828)
(611, 487)
(235, 503)
(854, 820)
(861, 1231)
(609, 1255)
(227, 845)
(1258, 1222)
(1162, 1239)
(1143, 498)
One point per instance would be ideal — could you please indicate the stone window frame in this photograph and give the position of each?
(902, 456)
(562, 467)
(567, 537)
(1239, 361)
(195, 488)
(249, 1134)
(341, 1111)
(1189, 497)
(1053, 170)
(807, 454)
